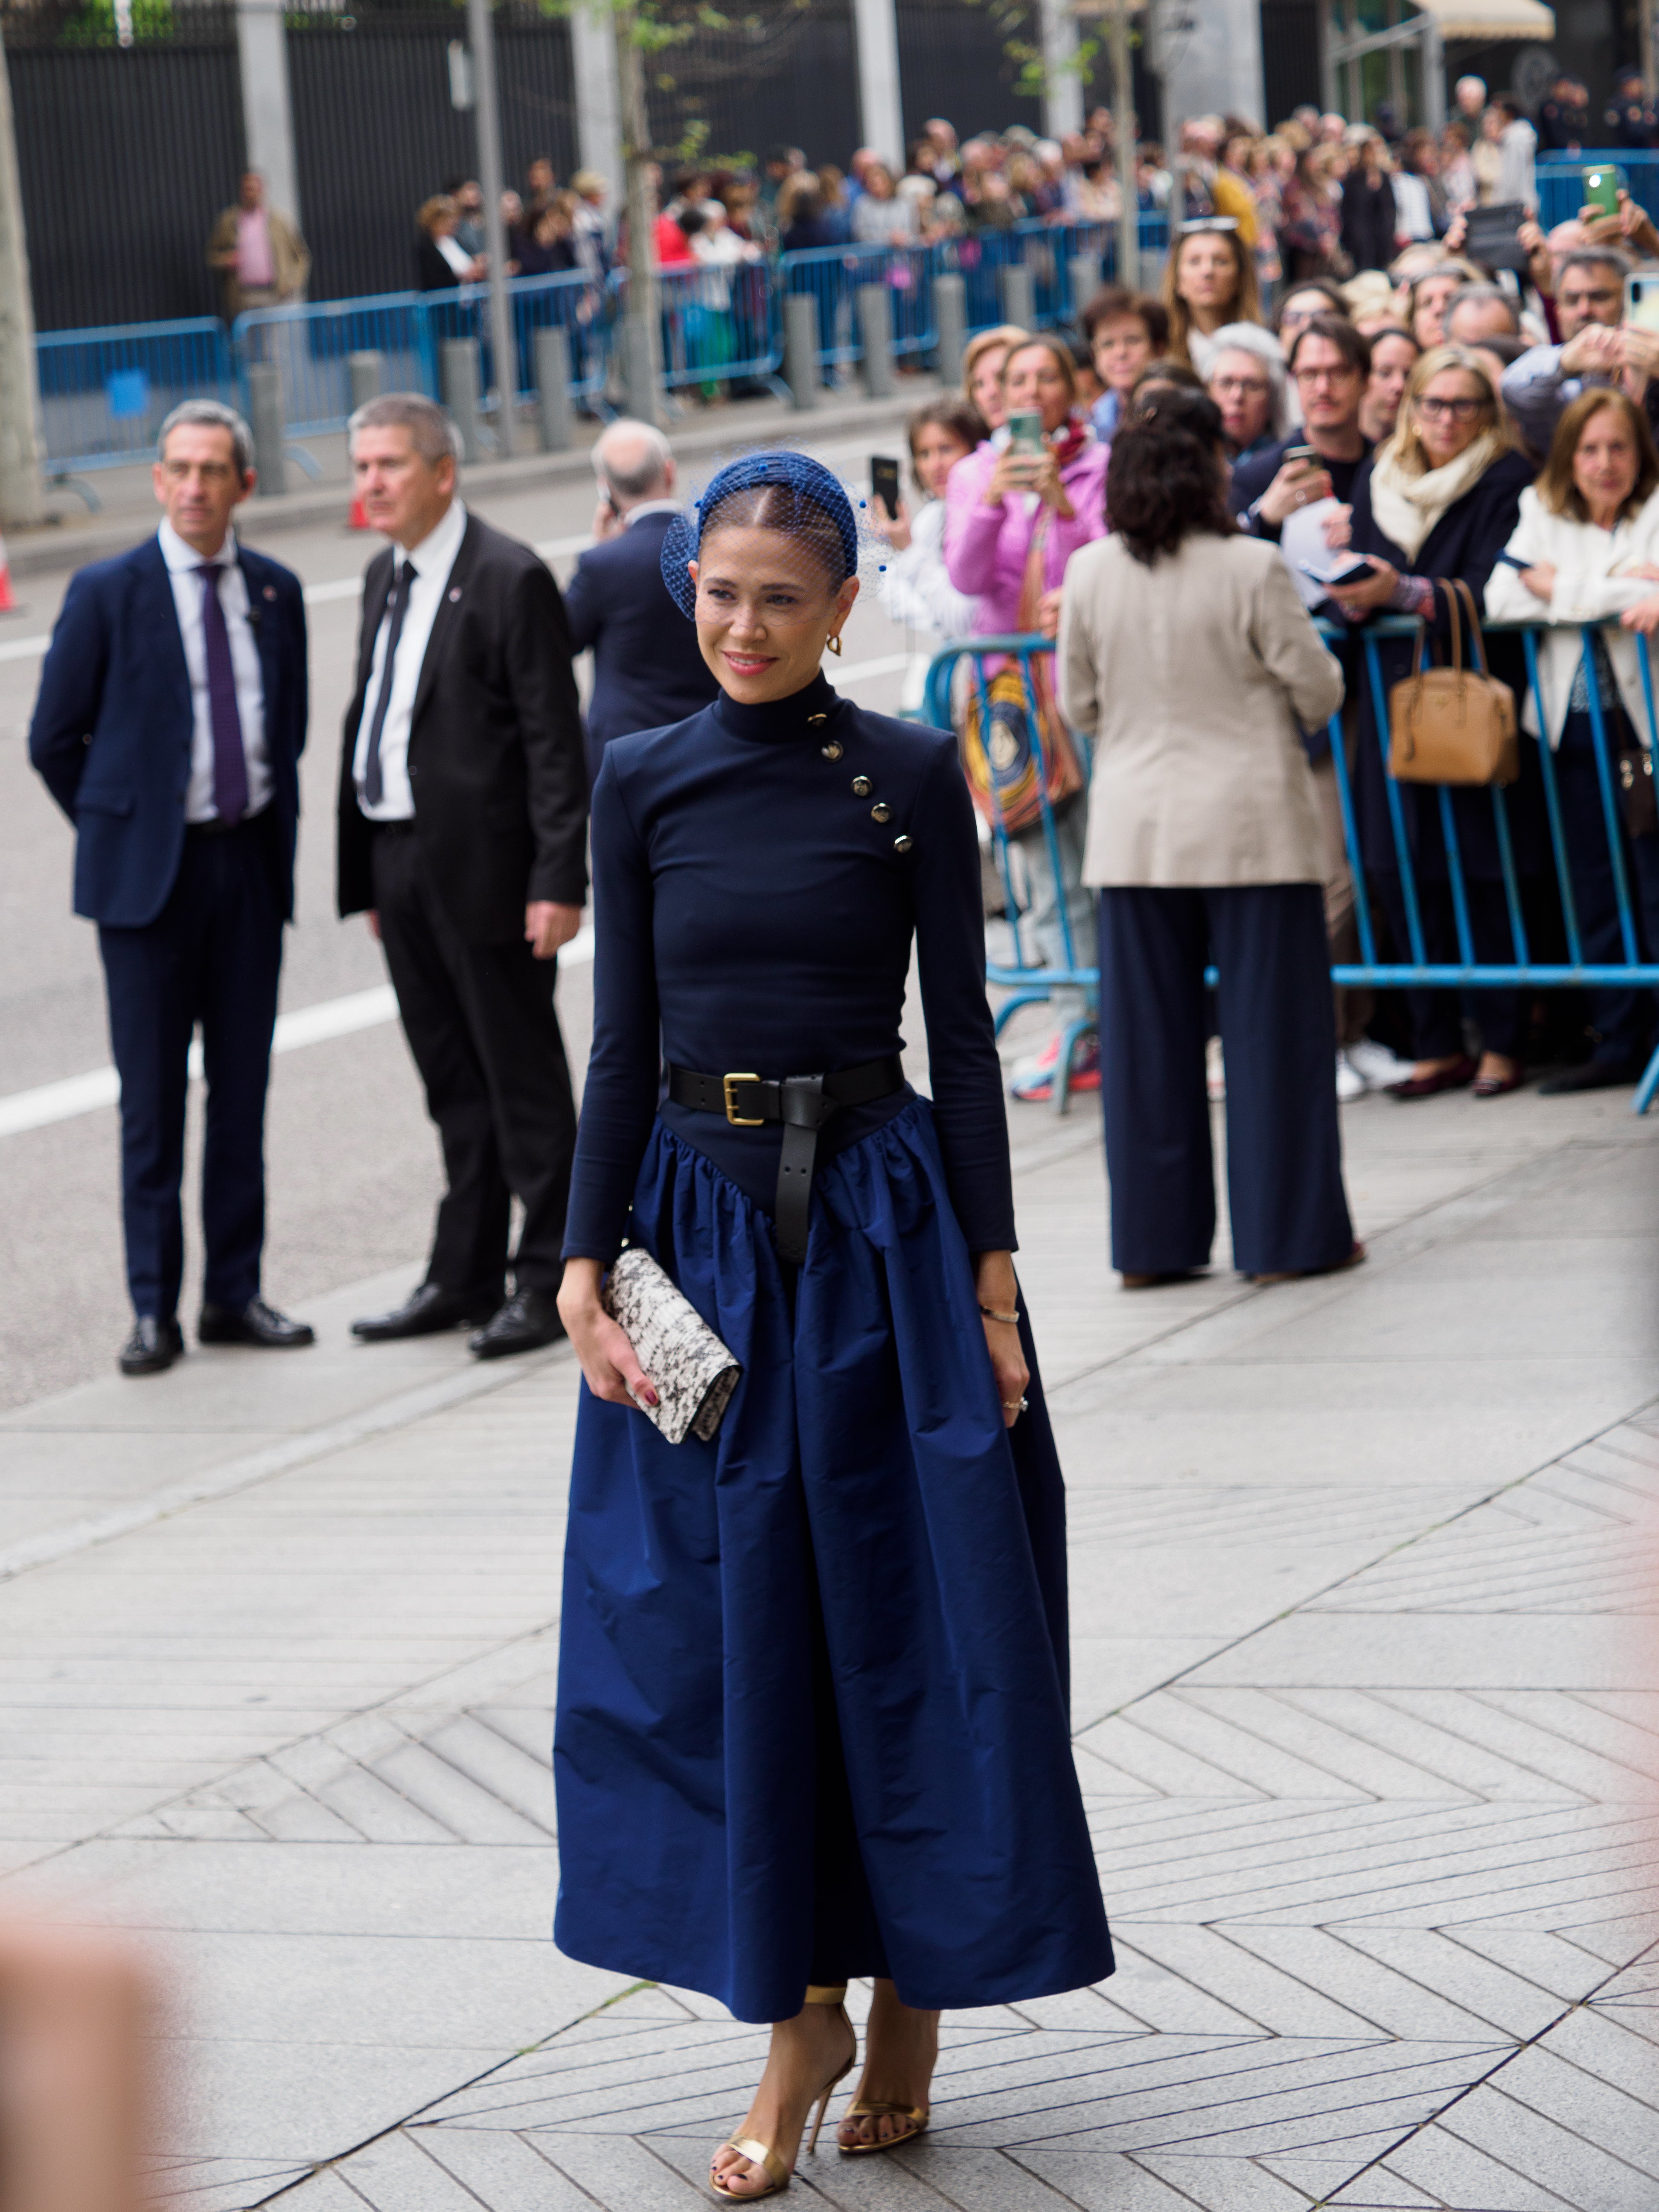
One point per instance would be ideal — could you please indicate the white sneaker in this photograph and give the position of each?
(1215, 1070)
(1350, 1082)
(1375, 1065)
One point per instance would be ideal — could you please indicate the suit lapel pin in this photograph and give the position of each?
(271, 591)
(454, 594)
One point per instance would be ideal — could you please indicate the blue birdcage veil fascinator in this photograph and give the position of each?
(805, 492)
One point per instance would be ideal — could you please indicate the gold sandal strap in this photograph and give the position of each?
(865, 2108)
(822, 1993)
(757, 2152)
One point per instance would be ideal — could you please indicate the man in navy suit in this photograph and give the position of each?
(169, 725)
(647, 670)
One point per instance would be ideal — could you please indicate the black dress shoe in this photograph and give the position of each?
(1594, 1075)
(257, 1323)
(528, 1320)
(153, 1347)
(427, 1310)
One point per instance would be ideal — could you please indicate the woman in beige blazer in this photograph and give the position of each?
(1187, 657)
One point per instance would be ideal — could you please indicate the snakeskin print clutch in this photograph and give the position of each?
(693, 1372)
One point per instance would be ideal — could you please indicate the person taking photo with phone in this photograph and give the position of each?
(1330, 364)
(1598, 347)
(1014, 517)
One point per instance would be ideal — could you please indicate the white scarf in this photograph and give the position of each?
(1406, 508)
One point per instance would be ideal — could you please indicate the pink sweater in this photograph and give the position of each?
(986, 547)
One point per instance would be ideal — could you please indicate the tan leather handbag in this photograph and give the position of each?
(1453, 725)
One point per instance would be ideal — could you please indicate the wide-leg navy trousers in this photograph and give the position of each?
(1278, 1031)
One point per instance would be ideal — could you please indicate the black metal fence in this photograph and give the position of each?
(782, 72)
(125, 155)
(376, 131)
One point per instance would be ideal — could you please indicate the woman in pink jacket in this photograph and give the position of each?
(1013, 522)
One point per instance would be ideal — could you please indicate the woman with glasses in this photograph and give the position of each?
(1435, 505)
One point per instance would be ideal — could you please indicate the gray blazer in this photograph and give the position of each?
(1193, 679)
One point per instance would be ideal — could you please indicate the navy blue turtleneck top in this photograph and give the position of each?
(759, 873)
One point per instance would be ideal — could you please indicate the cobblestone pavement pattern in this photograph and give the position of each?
(1364, 1716)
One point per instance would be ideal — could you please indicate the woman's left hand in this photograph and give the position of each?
(1375, 590)
(1539, 580)
(997, 1288)
(1049, 487)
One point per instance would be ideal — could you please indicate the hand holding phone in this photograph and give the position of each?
(885, 482)
(1351, 569)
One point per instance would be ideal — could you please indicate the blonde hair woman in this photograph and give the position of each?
(1437, 505)
(1584, 551)
(983, 360)
(1208, 282)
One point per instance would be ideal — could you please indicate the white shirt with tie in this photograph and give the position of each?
(183, 560)
(433, 558)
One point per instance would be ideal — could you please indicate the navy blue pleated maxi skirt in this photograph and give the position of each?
(812, 1692)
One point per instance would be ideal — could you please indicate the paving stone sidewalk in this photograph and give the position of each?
(1365, 1665)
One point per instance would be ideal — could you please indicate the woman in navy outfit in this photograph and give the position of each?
(812, 1695)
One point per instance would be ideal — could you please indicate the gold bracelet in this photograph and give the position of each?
(991, 1314)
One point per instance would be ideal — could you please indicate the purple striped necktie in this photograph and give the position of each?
(229, 761)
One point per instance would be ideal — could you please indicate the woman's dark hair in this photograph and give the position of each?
(1167, 477)
(1339, 305)
(791, 510)
(1174, 375)
(959, 416)
(1112, 304)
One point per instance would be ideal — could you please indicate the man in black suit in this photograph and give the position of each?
(647, 670)
(463, 817)
(169, 725)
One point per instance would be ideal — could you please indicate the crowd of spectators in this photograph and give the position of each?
(1403, 407)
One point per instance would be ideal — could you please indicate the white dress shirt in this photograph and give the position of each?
(182, 561)
(433, 558)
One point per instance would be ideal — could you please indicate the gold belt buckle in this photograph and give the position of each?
(741, 1121)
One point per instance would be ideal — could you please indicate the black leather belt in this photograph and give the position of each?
(213, 827)
(803, 1103)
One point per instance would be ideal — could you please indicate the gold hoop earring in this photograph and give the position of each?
(834, 645)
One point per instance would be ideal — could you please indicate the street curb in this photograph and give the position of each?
(40, 552)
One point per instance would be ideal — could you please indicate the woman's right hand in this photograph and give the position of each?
(607, 1358)
(895, 529)
(1013, 472)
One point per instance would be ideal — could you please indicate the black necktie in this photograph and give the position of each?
(398, 602)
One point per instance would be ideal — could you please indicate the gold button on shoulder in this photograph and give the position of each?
(902, 844)
(813, 721)
(881, 812)
(862, 786)
(832, 751)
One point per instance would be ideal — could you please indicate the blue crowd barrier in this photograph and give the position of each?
(1412, 967)
(105, 392)
(1560, 183)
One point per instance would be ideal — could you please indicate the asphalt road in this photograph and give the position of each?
(353, 1166)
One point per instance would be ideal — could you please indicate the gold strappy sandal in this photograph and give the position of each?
(762, 2155)
(871, 2108)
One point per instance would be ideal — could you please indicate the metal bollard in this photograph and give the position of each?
(800, 348)
(1017, 300)
(553, 389)
(876, 328)
(265, 407)
(457, 378)
(1083, 270)
(951, 320)
(366, 373)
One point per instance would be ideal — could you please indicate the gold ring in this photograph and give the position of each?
(1015, 1405)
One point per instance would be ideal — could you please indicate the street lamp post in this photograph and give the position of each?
(487, 106)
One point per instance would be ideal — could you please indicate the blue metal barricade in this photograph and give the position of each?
(835, 275)
(104, 393)
(1560, 181)
(578, 307)
(1414, 964)
(719, 326)
(309, 345)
